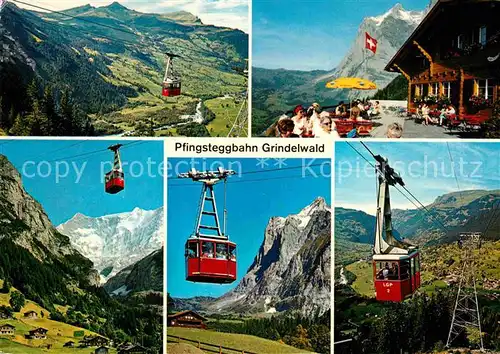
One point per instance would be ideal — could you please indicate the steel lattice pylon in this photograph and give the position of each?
(466, 312)
(240, 126)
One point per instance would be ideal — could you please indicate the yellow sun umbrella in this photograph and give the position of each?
(351, 83)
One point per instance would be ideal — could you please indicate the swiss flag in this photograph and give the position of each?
(370, 43)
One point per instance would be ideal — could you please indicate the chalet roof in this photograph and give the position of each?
(31, 311)
(425, 24)
(132, 346)
(7, 325)
(182, 313)
(39, 329)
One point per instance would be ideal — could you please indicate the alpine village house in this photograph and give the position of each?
(454, 57)
(186, 319)
(7, 330)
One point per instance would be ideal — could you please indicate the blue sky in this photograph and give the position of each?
(250, 206)
(227, 13)
(311, 35)
(64, 198)
(426, 169)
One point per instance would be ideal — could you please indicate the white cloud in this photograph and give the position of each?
(223, 13)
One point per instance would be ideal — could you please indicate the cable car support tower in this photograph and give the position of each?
(209, 179)
(466, 311)
(240, 125)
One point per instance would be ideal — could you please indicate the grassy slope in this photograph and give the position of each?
(225, 111)
(237, 341)
(435, 267)
(364, 278)
(58, 334)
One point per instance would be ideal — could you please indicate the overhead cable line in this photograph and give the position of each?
(75, 17)
(279, 169)
(406, 189)
(492, 217)
(72, 157)
(250, 180)
(454, 172)
(441, 225)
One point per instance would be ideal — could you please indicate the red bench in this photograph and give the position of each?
(344, 126)
(469, 122)
(364, 128)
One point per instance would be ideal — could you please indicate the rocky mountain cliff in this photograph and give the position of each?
(24, 223)
(114, 242)
(391, 30)
(144, 275)
(37, 259)
(291, 270)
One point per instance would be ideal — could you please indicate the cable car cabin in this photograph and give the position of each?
(171, 88)
(396, 277)
(114, 181)
(210, 261)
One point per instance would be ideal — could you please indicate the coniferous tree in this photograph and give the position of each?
(21, 126)
(6, 287)
(66, 113)
(17, 301)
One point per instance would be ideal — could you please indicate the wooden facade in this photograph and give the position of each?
(39, 333)
(453, 55)
(132, 348)
(186, 319)
(31, 314)
(7, 330)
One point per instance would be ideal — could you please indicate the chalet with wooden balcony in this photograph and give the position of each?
(7, 330)
(454, 56)
(186, 319)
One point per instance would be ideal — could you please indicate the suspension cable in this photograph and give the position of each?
(441, 225)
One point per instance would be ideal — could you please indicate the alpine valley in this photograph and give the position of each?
(276, 92)
(285, 293)
(42, 272)
(99, 70)
(360, 317)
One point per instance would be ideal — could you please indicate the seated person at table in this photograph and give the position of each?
(446, 114)
(394, 131)
(425, 114)
(285, 128)
(314, 118)
(363, 109)
(375, 109)
(327, 127)
(341, 110)
(356, 114)
(300, 120)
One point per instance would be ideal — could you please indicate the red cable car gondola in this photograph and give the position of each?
(171, 81)
(396, 265)
(210, 256)
(114, 180)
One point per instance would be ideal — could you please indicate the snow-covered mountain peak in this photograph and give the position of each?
(116, 241)
(398, 12)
